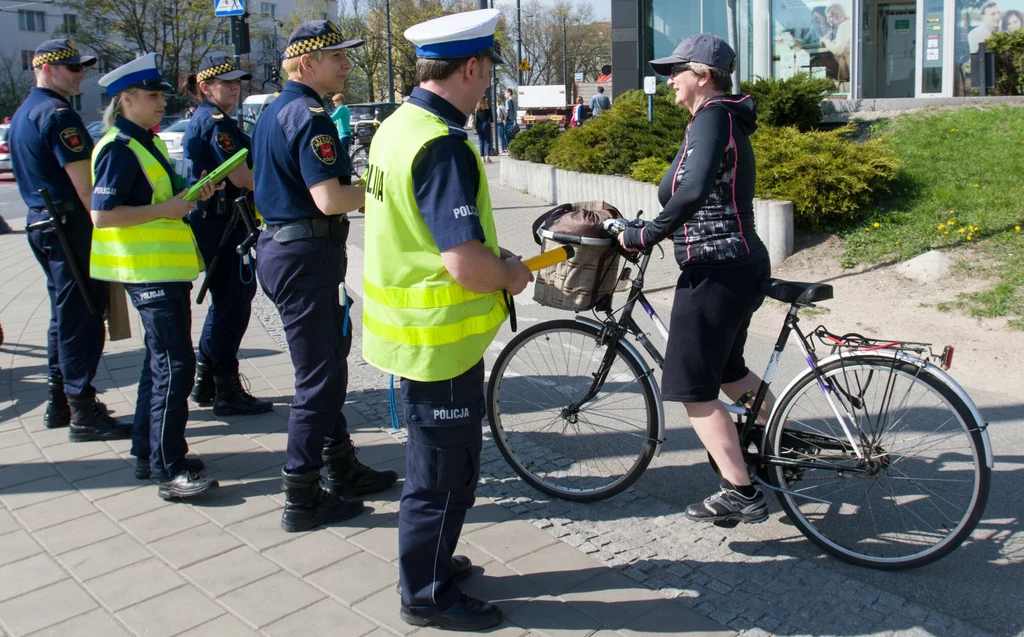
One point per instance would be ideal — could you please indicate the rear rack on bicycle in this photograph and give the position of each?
(860, 344)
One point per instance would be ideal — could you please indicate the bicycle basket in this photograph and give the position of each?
(589, 277)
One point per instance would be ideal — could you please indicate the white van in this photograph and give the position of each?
(252, 107)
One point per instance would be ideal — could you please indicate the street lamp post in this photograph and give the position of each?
(391, 68)
(565, 62)
(519, 43)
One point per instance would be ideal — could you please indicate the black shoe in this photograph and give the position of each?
(469, 613)
(346, 476)
(186, 485)
(462, 567)
(727, 507)
(58, 413)
(307, 505)
(91, 421)
(234, 399)
(204, 391)
(192, 464)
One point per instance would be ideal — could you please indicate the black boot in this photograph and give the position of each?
(234, 400)
(142, 472)
(186, 485)
(58, 413)
(90, 421)
(204, 390)
(307, 505)
(346, 476)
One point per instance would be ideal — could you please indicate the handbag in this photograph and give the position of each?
(511, 130)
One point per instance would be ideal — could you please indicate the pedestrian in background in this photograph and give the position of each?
(142, 240)
(51, 149)
(304, 192)
(428, 275)
(500, 126)
(211, 138)
(483, 129)
(342, 118)
(579, 113)
(599, 102)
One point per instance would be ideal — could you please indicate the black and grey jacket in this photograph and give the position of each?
(708, 192)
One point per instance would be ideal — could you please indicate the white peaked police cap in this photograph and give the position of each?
(459, 35)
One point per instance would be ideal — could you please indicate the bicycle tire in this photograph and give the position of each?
(360, 160)
(541, 457)
(834, 528)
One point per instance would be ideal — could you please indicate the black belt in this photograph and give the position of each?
(64, 208)
(303, 229)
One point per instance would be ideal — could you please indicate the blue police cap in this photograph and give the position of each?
(143, 72)
(60, 52)
(220, 65)
(459, 35)
(317, 35)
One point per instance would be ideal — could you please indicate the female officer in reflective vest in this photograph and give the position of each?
(141, 240)
(212, 137)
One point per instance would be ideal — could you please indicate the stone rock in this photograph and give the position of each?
(927, 268)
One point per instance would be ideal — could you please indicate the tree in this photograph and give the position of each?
(15, 83)
(588, 44)
(182, 31)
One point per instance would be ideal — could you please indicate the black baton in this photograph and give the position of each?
(212, 268)
(245, 214)
(57, 223)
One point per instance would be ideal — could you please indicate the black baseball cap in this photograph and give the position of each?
(703, 48)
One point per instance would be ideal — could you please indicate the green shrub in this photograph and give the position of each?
(829, 177)
(534, 143)
(1009, 50)
(650, 169)
(792, 101)
(611, 143)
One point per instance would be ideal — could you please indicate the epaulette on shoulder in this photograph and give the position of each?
(122, 137)
(457, 132)
(216, 116)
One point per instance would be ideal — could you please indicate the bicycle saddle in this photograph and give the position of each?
(794, 292)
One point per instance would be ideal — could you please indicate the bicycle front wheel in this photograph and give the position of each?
(919, 484)
(360, 159)
(556, 438)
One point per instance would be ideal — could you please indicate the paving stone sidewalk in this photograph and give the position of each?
(88, 550)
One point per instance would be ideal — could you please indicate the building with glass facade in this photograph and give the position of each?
(872, 49)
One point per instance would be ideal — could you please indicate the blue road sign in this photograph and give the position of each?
(226, 8)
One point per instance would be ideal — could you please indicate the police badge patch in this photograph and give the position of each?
(323, 148)
(72, 138)
(226, 142)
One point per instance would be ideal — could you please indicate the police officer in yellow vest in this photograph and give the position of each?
(141, 240)
(433, 282)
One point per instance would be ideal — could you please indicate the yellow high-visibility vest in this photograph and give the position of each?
(418, 322)
(154, 251)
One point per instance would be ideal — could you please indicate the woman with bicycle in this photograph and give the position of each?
(707, 198)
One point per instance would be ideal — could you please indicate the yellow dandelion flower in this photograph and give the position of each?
(962, 230)
(951, 222)
(897, 242)
(952, 212)
(877, 225)
(969, 237)
(946, 232)
(941, 226)
(1017, 228)
(977, 185)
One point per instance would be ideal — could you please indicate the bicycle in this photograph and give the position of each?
(875, 453)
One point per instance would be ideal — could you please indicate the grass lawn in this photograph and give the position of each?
(962, 183)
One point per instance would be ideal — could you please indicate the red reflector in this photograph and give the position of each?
(947, 357)
(4, 148)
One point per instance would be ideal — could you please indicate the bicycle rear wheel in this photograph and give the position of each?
(360, 159)
(922, 483)
(559, 444)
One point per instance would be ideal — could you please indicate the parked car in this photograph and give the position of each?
(370, 115)
(169, 120)
(172, 137)
(5, 150)
(252, 107)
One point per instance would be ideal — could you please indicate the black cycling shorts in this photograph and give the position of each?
(710, 316)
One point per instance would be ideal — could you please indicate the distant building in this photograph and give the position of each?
(872, 49)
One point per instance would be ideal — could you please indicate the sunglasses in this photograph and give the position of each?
(676, 70)
(74, 68)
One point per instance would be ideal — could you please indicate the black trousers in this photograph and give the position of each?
(442, 467)
(302, 277)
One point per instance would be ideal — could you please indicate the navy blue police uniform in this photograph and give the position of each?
(164, 306)
(168, 369)
(445, 414)
(46, 135)
(301, 263)
(211, 138)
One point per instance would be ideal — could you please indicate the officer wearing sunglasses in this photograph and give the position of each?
(50, 149)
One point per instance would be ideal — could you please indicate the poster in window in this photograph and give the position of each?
(976, 21)
(816, 38)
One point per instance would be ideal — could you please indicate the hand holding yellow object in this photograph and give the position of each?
(549, 258)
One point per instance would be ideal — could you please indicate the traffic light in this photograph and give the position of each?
(240, 34)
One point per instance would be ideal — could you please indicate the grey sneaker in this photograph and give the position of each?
(728, 507)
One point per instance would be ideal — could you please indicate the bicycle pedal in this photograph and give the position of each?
(726, 524)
